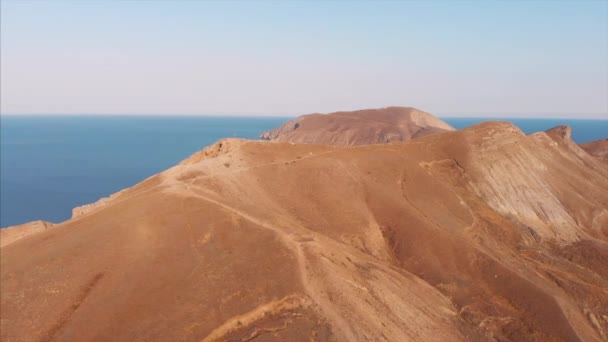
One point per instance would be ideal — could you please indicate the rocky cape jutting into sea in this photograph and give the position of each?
(479, 234)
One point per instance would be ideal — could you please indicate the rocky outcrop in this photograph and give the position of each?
(86, 208)
(563, 131)
(362, 127)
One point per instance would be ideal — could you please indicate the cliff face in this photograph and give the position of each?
(363, 127)
(480, 234)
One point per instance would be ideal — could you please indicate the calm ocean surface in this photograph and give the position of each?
(50, 164)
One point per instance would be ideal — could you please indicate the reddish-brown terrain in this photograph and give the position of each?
(598, 149)
(11, 234)
(483, 234)
(361, 127)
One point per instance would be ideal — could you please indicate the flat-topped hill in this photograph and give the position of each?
(361, 127)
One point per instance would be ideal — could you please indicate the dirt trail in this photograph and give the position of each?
(293, 238)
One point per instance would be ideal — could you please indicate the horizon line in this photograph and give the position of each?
(498, 115)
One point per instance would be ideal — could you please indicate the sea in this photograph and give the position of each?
(52, 163)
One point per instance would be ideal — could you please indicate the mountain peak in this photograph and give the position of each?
(562, 131)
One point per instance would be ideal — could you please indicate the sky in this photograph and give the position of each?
(460, 58)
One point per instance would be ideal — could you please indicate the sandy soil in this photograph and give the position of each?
(479, 234)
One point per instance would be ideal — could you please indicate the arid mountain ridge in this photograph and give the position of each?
(479, 234)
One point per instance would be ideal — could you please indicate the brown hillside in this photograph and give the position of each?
(362, 127)
(479, 234)
(9, 235)
(598, 149)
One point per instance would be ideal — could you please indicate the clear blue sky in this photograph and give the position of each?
(285, 58)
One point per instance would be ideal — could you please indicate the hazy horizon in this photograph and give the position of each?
(489, 116)
(541, 59)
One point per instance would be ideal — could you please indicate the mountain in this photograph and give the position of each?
(483, 234)
(598, 149)
(362, 127)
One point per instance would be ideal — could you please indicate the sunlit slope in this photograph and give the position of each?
(480, 234)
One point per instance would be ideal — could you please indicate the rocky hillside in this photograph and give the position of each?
(483, 234)
(362, 127)
(598, 149)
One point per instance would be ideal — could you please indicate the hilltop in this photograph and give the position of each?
(361, 127)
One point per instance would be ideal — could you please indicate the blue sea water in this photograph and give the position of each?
(50, 164)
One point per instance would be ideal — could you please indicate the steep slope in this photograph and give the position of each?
(362, 127)
(480, 234)
(598, 149)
